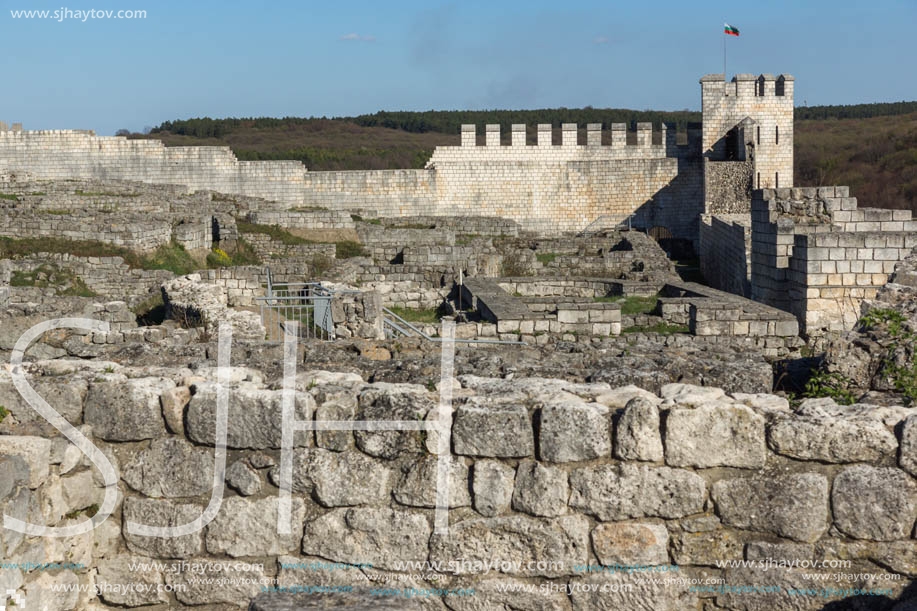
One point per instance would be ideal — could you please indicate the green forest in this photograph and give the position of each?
(870, 147)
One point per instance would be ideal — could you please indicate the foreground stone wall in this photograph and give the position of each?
(681, 482)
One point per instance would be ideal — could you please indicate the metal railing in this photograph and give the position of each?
(311, 311)
(307, 303)
(396, 326)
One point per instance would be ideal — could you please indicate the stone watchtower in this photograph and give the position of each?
(750, 119)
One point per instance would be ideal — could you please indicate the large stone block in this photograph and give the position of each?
(514, 545)
(120, 585)
(715, 435)
(492, 484)
(874, 503)
(573, 431)
(619, 591)
(171, 468)
(247, 527)
(540, 490)
(34, 451)
(417, 487)
(255, 416)
(127, 410)
(496, 431)
(631, 543)
(793, 506)
(637, 434)
(835, 439)
(152, 512)
(618, 492)
(376, 536)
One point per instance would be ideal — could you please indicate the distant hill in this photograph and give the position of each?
(870, 147)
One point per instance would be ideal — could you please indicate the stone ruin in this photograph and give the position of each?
(609, 408)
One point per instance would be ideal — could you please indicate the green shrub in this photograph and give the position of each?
(3, 413)
(829, 384)
(275, 232)
(218, 258)
(319, 265)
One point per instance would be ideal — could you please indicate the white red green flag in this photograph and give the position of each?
(732, 31)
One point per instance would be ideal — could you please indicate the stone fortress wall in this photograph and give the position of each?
(547, 477)
(545, 186)
(69, 154)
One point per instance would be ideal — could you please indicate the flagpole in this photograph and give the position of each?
(724, 56)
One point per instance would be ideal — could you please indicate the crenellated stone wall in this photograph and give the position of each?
(557, 485)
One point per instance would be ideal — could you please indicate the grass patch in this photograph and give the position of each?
(659, 328)
(172, 257)
(546, 258)
(348, 249)
(307, 208)
(427, 315)
(244, 254)
(12, 198)
(55, 211)
(51, 276)
(275, 232)
(3, 413)
(359, 219)
(631, 305)
(466, 239)
(103, 194)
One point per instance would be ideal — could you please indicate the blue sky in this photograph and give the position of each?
(219, 59)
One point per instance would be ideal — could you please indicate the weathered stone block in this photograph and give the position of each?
(497, 431)
(377, 536)
(514, 545)
(637, 434)
(246, 527)
(572, 431)
(793, 506)
(874, 503)
(631, 543)
(618, 492)
(715, 435)
(828, 438)
(540, 490)
(492, 484)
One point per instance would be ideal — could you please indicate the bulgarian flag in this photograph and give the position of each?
(730, 30)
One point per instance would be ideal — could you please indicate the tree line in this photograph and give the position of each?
(450, 121)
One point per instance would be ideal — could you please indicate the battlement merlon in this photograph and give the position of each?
(570, 135)
(748, 86)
